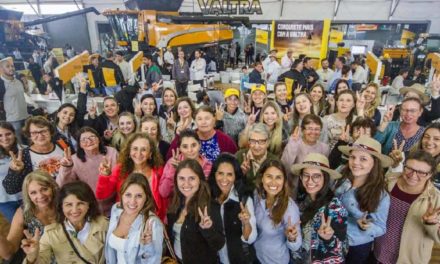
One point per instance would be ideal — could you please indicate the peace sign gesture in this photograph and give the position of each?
(31, 245)
(291, 231)
(360, 104)
(297, 90)
(184, 125)
(295, 134)
(205, 219)
(104, 167)
(288, 115)
(364, 222)
(345, 135)
(92, 111)
(325, 231)
(396, 152)
(389, 113)
(137, 108)
(219, 111)
(252, 117)
(248, 104)
(67, 161)
(171, 123)
(175, 157)
(246, 164)
(244, 214)
(147, 235)
(16, 163)
(108, 133)
(431, 216)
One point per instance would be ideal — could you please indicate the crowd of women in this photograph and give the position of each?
(262, 179)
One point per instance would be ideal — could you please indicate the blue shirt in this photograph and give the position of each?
(377, 228)
(210, 148)
(134, 251)
(272, 246)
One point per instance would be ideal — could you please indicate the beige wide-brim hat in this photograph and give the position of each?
(369, 145)
(316, 161)
(416, 88)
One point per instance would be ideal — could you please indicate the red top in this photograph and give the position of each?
(108, 185)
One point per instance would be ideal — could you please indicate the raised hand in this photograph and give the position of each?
(297, 90)
(16, 163)
(435, 88)
(252, 117)
(389, 114)
(137, 108)
(171, 123)
(364, 222)
(147, 235)
(175, 157)
(205, 219)
(345, 135)
(104, 167)
(331, 99)
(291, 231)
(185, 124)
(31, 245)
(244, 214)
(219, 111)
(67, 161)
(92, 111)
(431, 216)
(396, 152)
(325, 231)
(247, 105)
(108, 133)
(246, 164)
(288, 115)
(360, 104)
(295, 134)
(82, 82)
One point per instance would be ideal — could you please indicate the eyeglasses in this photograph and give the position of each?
(409, 111)
(88, 139)
(36, 133)
(311, 129)
(257, 141)
(314, 177)
(410, 171)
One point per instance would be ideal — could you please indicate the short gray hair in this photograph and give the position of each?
(259, 128)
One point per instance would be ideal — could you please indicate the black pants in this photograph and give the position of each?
(198, 82)
(359, 254)
(182, 89)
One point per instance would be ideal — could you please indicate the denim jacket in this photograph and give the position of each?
(135, 252)
(377, 228)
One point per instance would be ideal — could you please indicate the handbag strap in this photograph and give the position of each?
(73, 246)
(168, 243)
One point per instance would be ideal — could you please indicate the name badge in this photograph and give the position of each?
(182, 71)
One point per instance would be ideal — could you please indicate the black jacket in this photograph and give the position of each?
(298, 79)
(255, 77)
(108, 64)
(199, 246)
(233, 232)
(125, 98)
(310, 72)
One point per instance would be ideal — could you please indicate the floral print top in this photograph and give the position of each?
(210, 148)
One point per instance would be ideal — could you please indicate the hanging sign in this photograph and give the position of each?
(230, 7)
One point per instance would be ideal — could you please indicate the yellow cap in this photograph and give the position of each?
(232, 91)
(258, 87)
(386, 56)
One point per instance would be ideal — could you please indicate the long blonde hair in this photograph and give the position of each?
(369, 112)
(276, 134)
(44, 179)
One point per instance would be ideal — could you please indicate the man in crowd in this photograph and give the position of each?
(339, 62)
(180, 74)
(309, 73)
(325, 73)
(255, 75)
(397, 83)
(36, 71)
(198, 68)
(273, 70)
(95, 77)
(13, 106)
(359, 75)
(111, 75)
(267, 60)
(123, 65)
(151, 76)
(168, 58)
(295, 73)
(286, 61)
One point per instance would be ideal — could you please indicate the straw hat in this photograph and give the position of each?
(317, 161)
(369, 145)
(418, 89)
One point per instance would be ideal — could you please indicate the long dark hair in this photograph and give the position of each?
(370, 193)
(156, 108)
(84, 193)
(240, 185)
(282, 199)
(433, 126)
(200, 199)
(296, 116)
(80, 151)
(349, 118)
(5, 152)
(72, 127)
(308, 207)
